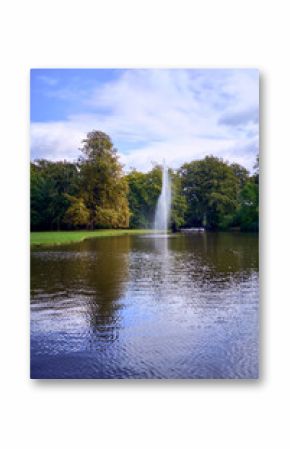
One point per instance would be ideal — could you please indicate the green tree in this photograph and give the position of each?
(137, 204)
(179, 203)
(50, 182)
(249, 207)
(248, 212)
(37, 197)
(144, 190)
(211, 190)
(241, 173)
(103, 185)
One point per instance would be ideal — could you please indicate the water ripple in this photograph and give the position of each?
(132, 307)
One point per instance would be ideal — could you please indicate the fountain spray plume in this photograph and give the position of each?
(163, 208)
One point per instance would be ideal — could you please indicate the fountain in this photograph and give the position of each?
(162, 213)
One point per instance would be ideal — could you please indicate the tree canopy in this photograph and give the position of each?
(103, 187)
(94, 192)
(211, 188)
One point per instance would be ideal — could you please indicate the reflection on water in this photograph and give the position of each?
(145, 307)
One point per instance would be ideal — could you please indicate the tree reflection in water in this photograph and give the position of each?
(146, 307)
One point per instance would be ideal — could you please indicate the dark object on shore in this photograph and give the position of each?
(192, 230)
(174, 228)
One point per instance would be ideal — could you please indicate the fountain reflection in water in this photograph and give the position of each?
(163, 208)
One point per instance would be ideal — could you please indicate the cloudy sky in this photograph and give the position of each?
(178, 115)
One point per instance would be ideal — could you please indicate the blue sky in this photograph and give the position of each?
(173, 114)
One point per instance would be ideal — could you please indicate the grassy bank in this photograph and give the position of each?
(61, 237)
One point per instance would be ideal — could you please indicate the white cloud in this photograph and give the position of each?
(56, 140)
(178, 115)
(48, 80)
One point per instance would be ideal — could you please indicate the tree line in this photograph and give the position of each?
(94, 192)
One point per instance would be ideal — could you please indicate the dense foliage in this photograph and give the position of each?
(52, 184)
(95, 193)
(91, 193)
(144, 190)
(220, 195)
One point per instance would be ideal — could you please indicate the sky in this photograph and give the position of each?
(178, 115)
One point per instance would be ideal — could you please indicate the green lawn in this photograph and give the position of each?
(60, 237)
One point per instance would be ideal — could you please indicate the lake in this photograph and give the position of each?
(146, 307)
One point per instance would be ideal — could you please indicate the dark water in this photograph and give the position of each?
(144, 307)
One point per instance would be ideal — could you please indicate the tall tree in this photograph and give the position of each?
(103, 185)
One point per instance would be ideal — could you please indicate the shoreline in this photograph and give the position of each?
(53, 238)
